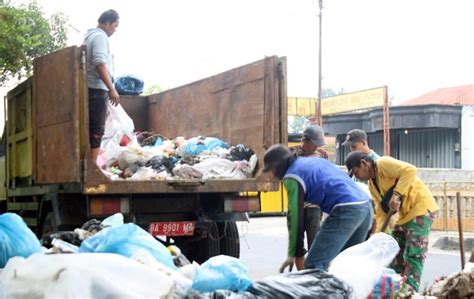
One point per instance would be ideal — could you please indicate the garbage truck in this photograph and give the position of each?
(53, 184)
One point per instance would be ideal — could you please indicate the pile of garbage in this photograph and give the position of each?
(126, 154)
(112, 259)
(456, 285)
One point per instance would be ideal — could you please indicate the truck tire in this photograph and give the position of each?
(49, 224)
(209, 246)
(229, 238)
(203, 245)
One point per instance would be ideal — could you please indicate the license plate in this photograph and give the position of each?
(172, 229)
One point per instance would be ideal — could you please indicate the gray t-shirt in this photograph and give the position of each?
(98, 52)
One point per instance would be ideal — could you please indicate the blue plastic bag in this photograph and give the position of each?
(197, 145)
(129, 85)
(125, 240)
(16, 239)
(222, 273)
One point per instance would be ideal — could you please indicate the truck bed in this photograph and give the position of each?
(245, 105)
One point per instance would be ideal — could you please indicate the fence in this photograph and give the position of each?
(445, 196)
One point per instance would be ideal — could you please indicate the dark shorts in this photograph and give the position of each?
(97, 115)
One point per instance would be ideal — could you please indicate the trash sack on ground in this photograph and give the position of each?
(220, 294)
(311, 283)
(85, 275)
(67, 236)
(222, 272)
(60, 246)
(241, 152)
(129, 85)
(372, 255)
(196, 145)
(16, 239)
(113, 220)
(387, 286)
(125, 240)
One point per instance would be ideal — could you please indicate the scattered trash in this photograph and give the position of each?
(16, 239)
(456, 285)
(222, 273)
(372, 255)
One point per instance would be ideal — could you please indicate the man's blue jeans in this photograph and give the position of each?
(347, 225)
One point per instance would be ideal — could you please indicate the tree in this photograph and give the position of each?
(154, 88)
(297, 123)
(25, 34)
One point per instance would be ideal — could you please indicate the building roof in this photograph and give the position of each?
(460, 95)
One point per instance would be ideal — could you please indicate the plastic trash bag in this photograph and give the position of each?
(241, 152)
(220, 294)
(85, 275)
(129, 85)
(218, 168)
(16, 239)
(372, 256)
(113, 220)
(125, 240)
(311, 283)
(387, 286)
(117, 121)
(222, 272)
(196, 145)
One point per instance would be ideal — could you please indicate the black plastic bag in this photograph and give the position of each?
(160, 163)
(241, 152)
(309, 283)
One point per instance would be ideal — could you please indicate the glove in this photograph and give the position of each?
(395, 202)
(289, 262)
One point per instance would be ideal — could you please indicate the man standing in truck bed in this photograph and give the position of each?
(99, 77)
(311, 143)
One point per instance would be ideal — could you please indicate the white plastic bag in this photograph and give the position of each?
(117, 121)
(361, 265)
(84, 275)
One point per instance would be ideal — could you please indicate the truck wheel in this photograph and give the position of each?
(49, 224)
(209, 246)
(229, 238)
(203, 245)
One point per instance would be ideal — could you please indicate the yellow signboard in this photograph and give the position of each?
(301, 106)
(353, 101)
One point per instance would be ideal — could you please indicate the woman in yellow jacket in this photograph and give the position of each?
(393, 185)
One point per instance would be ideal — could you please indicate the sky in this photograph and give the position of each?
(411, 46)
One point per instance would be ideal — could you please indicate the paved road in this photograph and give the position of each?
(264, 241)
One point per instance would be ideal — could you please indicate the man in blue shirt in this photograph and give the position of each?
(318, 181)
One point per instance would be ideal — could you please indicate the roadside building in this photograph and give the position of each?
(430, 131)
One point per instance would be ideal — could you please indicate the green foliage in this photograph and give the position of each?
(297, 123)
(154, 88)
(25, 34)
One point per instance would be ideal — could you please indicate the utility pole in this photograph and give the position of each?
(319, 119)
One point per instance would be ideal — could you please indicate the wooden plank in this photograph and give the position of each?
(57, 113)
